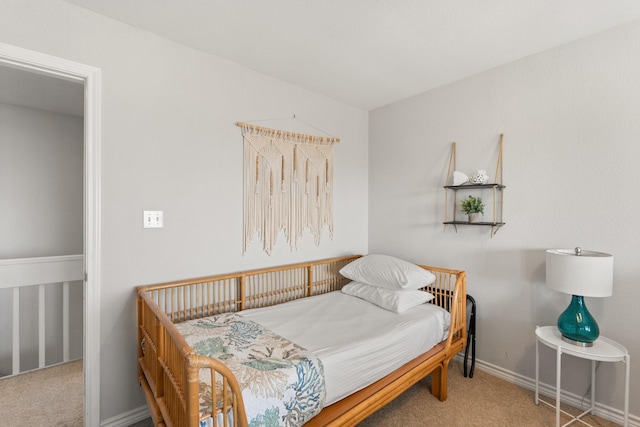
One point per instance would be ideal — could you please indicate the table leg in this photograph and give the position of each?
(558, 376)
(537, 369)
(593, 387)
(627, 362)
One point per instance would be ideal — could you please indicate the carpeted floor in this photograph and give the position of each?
(47, 397)
(53, 397)
(483, 400)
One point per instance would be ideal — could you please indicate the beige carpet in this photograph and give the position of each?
(54, 397)
(46, 397)
(483, 400)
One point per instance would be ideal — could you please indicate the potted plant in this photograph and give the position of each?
(472, 206)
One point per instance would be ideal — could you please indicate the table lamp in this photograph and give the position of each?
(579, 273)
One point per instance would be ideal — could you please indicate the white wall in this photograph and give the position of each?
(572, 143)
(41, 176)
(169, 143)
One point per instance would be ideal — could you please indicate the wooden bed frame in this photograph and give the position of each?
(169, 368)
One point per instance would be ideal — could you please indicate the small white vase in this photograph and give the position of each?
(474, 217)
(479, 177)
(459, 178)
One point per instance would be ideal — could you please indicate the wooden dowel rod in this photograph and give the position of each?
(287, 133)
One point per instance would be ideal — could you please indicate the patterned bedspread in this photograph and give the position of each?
(282, 383)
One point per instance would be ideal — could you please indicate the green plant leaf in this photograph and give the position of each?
(472, 205)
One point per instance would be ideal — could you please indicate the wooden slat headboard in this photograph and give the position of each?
(208, 296)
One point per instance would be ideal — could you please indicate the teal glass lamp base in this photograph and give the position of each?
(577, 325)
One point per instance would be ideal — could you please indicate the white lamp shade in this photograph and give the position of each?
(589, 274)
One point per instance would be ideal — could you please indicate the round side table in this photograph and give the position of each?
(603, 350)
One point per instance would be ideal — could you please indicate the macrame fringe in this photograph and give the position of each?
(288, 180)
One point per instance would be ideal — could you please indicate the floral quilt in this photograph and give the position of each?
(282, 383)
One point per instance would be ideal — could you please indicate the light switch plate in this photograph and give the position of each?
(152, 219)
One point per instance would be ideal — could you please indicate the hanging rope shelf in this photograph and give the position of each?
(496, 186)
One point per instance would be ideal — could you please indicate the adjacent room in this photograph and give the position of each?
(220, 138)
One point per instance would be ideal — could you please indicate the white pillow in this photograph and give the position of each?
(387, 272)
(396, 301)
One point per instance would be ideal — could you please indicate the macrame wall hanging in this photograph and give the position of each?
(288, 185)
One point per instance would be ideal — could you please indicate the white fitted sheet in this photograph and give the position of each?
(357, 342)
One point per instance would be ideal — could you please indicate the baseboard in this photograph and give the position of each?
(128, 418)
(546, 390)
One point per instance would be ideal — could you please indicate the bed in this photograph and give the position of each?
(172, 373)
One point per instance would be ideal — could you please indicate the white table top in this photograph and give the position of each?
(603, 349)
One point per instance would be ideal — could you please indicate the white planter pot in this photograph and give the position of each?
(474, 217)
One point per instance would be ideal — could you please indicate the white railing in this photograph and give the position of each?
(41, 272)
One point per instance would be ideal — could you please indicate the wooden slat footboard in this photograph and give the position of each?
(169, 368)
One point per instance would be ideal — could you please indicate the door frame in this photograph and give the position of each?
(91, 77)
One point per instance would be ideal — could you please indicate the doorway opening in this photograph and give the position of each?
(89, 77)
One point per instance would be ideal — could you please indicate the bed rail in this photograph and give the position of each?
(169, 369)
(450, 291)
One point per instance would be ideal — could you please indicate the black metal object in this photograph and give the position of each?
(471, 338)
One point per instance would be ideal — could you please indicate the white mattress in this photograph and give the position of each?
(357, 342)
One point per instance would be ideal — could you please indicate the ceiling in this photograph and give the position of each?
(32, 90)
(369, 53)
